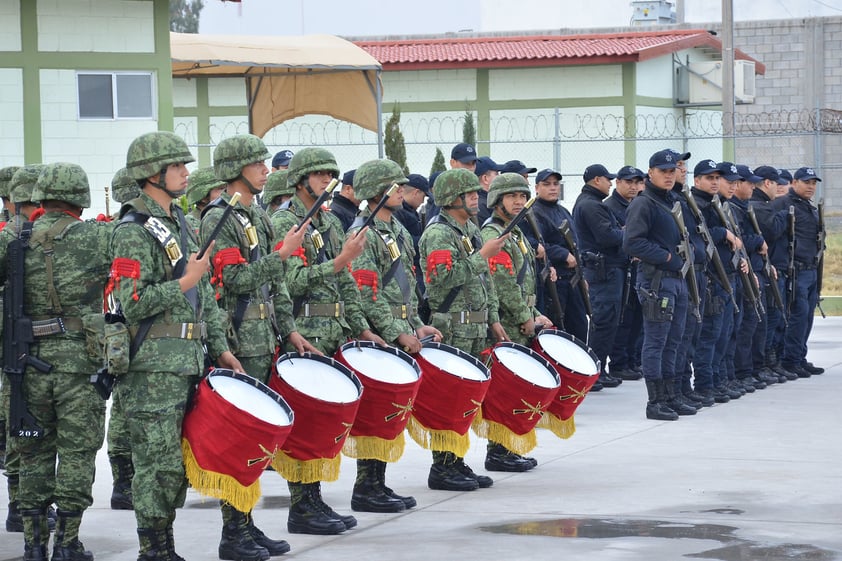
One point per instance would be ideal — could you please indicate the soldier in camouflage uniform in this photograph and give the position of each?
(326, 304)
(390, 304)
(202, 188)
(461, 295)
(65, 267)
(5, 178)
(513, 271)
(248, 275)
(162, 289)
(277, 191)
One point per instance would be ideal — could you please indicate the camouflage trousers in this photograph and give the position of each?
(59, 467)
(118, 437)
(12, 458)
(259, 367)
(154, 405)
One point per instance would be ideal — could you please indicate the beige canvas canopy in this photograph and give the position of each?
(287, 77)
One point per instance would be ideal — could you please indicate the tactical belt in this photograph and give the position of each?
(699, 267)
(531, 301)
(190, 331)
(670, 274)
(799, 266)
(480, 316)
(55, 326)
(257, 310)
(330, 310)
(400, 312)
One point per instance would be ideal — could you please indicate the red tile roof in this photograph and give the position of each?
(538, 50)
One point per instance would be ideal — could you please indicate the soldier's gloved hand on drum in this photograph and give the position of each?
(293, 239)
(408, 343)
(498, 332)
(369, 335)
(228, 360)
(301, 344)
(352, 249)
(493, 246)
(426, 331)
(195, 270)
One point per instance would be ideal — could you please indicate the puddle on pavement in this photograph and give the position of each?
(734, 548)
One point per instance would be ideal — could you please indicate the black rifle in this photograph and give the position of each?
(625, 300)
(370, 219)
(685, 249)
(17, 338)
(750, 288)
(768, 269)
(820, 242)
(710, 246)
(319, 202)
(218, 228)
(516, 220)
(790, 267)
(556, 311)
(577, 280)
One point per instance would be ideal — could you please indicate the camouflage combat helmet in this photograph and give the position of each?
(200, 183)
(375, 177)
(276, 185)
(452, 183)
(62, 181)
(149, 153)
(23, 182)
(506, 183)
(6, 178)
(123, 187)
(233, 154)
(308, 160)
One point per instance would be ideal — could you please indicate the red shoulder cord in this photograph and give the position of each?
(122, 267)
(436, 258)
(300, 253)
(365, 277)
(222, 259)
(501, 259)
(39, 212)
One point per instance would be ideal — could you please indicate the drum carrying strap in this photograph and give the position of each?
(397, 272)
(322, 256)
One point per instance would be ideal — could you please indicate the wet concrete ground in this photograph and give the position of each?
(759, 478)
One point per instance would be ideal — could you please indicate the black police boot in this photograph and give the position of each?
(14, 522)
(747, 384)
(499, 458)
(445, 476)
(674, 399)
(236, 543)
(122, 472)
(315, 490)
(368, 496)
(703, 398)
(153, 544)
(682, 397)
(66, 544)
(483, 481)
(656, 407)
(306, 515)
(812, 368)
(170, 541)
(35, 535)
(609, 381)
(274, 547)
(408, 501)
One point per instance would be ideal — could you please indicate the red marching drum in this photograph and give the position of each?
(390, 378)
(325, 395)
(523, 385)
(452, 389)
(578, 368)
(233, 429)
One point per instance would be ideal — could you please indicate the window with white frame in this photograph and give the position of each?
(115, 95)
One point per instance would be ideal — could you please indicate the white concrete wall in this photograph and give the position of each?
(184, 93)
(113, 26)
(226, 91)
(654, 77)
(11, 109)
(429, 85)
(10, 25)
(551, 83)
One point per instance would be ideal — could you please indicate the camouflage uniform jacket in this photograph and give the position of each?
(156, 294)
(194, 219)
(450, 266)
(513, 270)
(79, 255)
(389, 310)
(238, 277)
(310, 278)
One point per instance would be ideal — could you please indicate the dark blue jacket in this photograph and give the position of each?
(549, 216)
(699, 254)
(597, 227)
(717, 230)
(411, 220)
(484, 212)
(806, 226)
(344, 209)
(651, 234)
(773, 225)
(752, 242)
(618, 205)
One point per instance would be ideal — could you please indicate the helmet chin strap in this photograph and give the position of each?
(162, 184)
(463, 206)
(506, 214)
(247, 183)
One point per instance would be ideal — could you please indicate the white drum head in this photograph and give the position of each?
(453, 364)
(568, 353)
(525, 366)
(248, 398)
(380, 365)
(318, 379)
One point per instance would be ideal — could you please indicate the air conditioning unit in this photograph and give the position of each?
(700, 83)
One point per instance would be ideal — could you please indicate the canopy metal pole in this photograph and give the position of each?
(381, 150)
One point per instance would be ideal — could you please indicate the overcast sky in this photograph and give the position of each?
(357, 18)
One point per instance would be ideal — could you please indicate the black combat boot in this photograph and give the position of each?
(153, 544)
(35, 535)
(14, 522)
(315, 491)
(656, 407)
(173, 556)
(66, 544)
(674, 399)
(483, 481)
(274, 547)
(445, 475)
(682, 397)
(306, 515)
(500, 458)
(236, 543)
(408, 501)
(122, 472)
(368, 496)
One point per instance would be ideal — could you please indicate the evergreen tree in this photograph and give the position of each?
(394, 142)
(438, 162)
(469, 131)
(184, 15)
